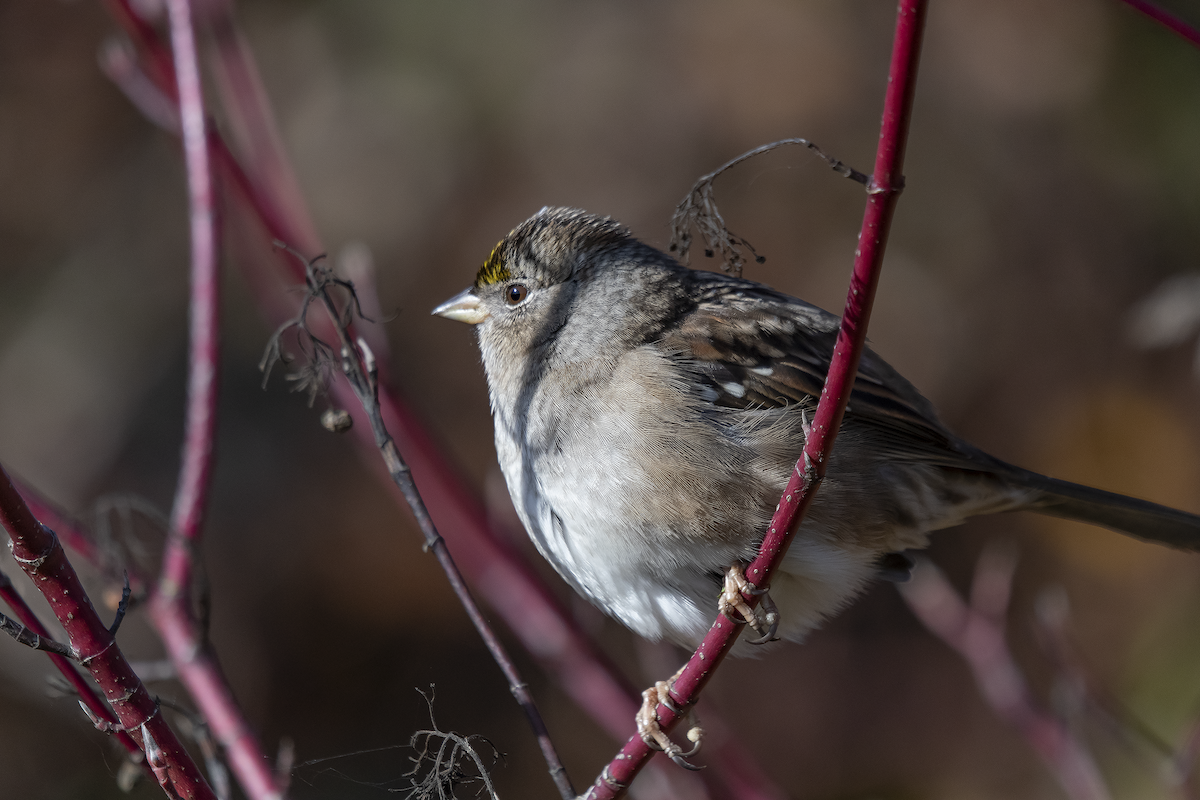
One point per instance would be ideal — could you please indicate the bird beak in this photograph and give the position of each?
(463, 307)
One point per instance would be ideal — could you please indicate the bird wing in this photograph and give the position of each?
(750, 347)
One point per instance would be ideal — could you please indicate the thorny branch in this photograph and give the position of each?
(357, 362)
(40, 641)
(74, 682)
(699, 210)
(41, 556)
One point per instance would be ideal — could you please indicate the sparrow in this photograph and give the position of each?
(647, 417)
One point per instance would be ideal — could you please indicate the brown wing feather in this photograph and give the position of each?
(751, 347)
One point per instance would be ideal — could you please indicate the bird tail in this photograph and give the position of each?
(1129, 515)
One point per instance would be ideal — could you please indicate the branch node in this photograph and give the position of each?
(370, 365)
(36, 562)
(102, 725)
(85, 661)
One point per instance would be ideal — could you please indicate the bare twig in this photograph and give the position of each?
(976, 631)
(438, 764)
(37, 550)
(122, 608)
(359, 366)
(23, 635)
(35, 636)
(882, 191)
(700, 210)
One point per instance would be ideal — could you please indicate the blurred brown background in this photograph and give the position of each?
(1051, 185)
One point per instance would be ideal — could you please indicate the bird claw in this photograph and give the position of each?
(770, 615)
(653, 734)
(765, 624)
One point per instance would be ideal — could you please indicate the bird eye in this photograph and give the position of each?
(516, 293)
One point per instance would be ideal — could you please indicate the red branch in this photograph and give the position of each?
(170, 605)
(81, 542)
(87, 693)
(37, 550)
(76, 538)
(976, 631)
(885, 185)
(1166, 19)
(204, 316)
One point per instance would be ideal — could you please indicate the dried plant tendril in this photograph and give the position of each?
(699, 209)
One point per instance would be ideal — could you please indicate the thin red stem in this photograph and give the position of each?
(197, 668)
(201, 421)
(170, 606)
(1166, 19)
(885, 184)
(78, 540)
(255, 136)
(37, 550)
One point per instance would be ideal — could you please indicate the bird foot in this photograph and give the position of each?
(764, 621)
(653, 734)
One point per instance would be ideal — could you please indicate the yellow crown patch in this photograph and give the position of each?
(494, 270)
